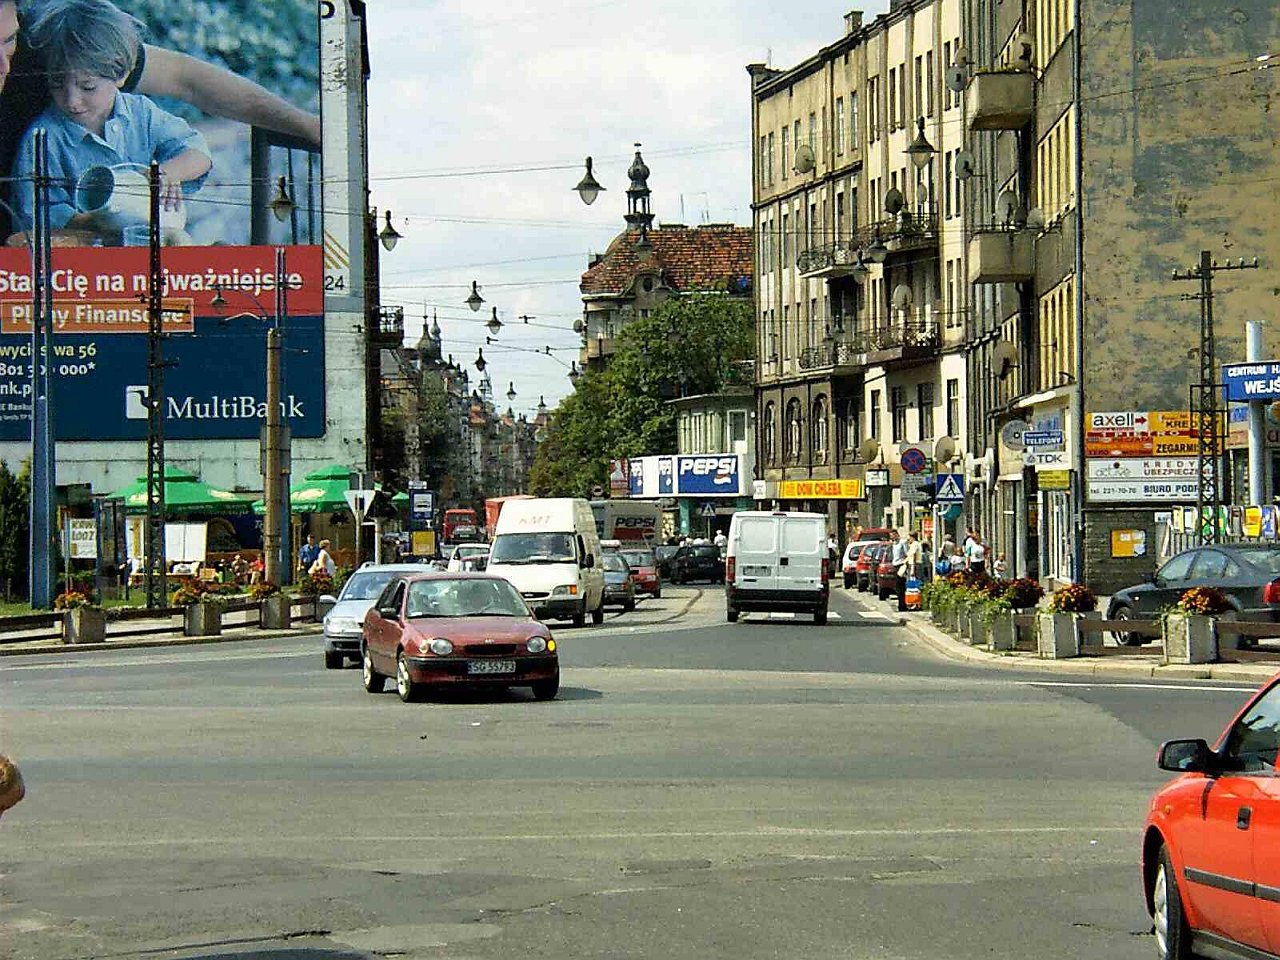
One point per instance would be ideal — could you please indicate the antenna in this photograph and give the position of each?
(805, 160)
(956, 78)
(966, 165)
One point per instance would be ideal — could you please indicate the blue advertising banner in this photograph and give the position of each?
(636, 481)
(215, 376)
(711, 474)
(666, 477)
(1251, 381)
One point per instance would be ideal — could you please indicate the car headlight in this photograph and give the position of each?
(440, 647)
(341, 625)
(536, 644)
(566, 590)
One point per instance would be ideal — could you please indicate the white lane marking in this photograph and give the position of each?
(99, 660)
(875, 615)
(1197, 686)
(761, 832)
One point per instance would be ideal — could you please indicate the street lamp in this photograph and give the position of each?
(860, 271)
(877, 252)
(494, 323)
(920, 151)
(480, 361)
(389, 235)
(588, 188)
(574, 373)
(475, 300)
(511, 390)
(282, 204)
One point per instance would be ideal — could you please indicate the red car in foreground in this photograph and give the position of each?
(437, 630)
(1210, 860)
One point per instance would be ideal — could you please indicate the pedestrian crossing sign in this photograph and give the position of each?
(950, 488)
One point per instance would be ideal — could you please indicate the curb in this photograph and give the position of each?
(63, 648)
(954, 649)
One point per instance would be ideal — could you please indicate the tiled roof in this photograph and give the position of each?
(708, 257)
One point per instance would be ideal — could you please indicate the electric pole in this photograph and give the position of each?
(43, 465)
(155, 559)
(1206, 420)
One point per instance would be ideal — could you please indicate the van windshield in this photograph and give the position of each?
(532, 548)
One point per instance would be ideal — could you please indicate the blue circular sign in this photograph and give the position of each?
(914, 460)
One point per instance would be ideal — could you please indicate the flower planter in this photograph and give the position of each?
(1056, 635)
(1004, 632)
(276, 612)
(84, 625)
(976, 629)
(1189, 638)
(202, 620)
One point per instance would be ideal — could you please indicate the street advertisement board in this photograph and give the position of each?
(1243, 382)
(719, 473)
(635, 481)
(847, 489)
(1151, 478)
(619, 477)
(666, 476)
(257, 65)
(1144, 434)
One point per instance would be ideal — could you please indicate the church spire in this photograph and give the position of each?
(638, 213)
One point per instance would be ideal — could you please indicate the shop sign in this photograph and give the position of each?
(1054, 479)
(1246, 382)
(1126, 544)
(877, 478)
(849, 489)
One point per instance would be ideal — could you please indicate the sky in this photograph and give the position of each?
(480, 117)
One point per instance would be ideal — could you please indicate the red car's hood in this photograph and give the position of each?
(480, 632)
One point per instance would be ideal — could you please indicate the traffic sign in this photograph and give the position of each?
(597, 492)
(708, 511)
(914, 460)
(912, 488)
(950, 488)
(359, 501)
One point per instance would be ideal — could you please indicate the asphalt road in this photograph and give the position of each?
(768, 789)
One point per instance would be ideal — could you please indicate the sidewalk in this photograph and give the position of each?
(1136, 664)
(168, 634)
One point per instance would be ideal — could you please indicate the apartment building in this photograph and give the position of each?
(861, 263)
(1111, 142)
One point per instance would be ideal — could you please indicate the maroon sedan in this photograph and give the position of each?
(644, 570)
(441, 629)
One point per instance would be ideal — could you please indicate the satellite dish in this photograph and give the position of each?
(902, 296)
(1006, 206)
(1003, 357)
(894, 201)
(804, 158)
(1035, 219)
(956, 77)
(944, 451)
(966, 165)
(869, 449)
(1011, 435)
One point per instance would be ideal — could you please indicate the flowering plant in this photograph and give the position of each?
(260, 591)
(315, 584)
(187, 594)
(1206, 601)
(1023, 593)
(72, 599)
(1073, 598)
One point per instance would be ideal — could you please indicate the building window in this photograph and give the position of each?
(839, 125)
(794, 438)
(1056, 167)
(813, 132)
(946, 62)
(795, 136)
(893, 98)
(924, 409)
(839, 216)
(918, 103)
(812, 226)
(786, 151)
(873, 420)
(946, 184)
(873, 110)
(786, 236)
(818, 430)
(852, 425)
(769, 162)
(853, 121)
(902, 95)
(1054, 22)
(898, 403)
(953, 408)
(737, 426)
(764, 169)
(928, 83)
(770, 437)
(853, 211)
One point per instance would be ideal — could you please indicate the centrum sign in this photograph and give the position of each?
(1244, 382)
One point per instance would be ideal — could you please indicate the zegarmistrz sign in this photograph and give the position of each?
(1244, 382)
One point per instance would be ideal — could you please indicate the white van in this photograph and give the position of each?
(548, 549)
(777, 561)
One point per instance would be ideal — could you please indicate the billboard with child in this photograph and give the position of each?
(224, 96)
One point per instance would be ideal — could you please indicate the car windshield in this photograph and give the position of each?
(665, 553)
(613, 563)
(464, 598)
(474, 550)
(708, 551)
(1263, 558)
(366, 586)
(533, 548)
(638, 558)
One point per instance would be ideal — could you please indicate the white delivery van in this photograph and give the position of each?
(777, 561)
(548, 549)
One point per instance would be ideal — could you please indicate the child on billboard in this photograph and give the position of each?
(89, 48)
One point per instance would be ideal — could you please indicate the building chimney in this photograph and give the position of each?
(852, 22)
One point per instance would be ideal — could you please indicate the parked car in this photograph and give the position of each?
(466, 533)
(342, 624)
(1209, 869)
(468, 556)
(848, 563)
(644, 570)
(864, 566)
(1248, 573)
(664, 554)
(699, 561)
(886, 572)
(619, 587)
(443, 629)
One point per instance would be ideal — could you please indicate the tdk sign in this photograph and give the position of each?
(704, 475)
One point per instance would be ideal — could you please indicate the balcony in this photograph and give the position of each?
(390, 330)
(910, 231)
(1003, 100)
(1002, 256)
(827, 262)
(895, 342)
(601, 348)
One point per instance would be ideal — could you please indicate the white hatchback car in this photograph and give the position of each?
(468, 556)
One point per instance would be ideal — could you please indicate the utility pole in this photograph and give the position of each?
(155, 554)
(43, 464)
(1205, 413)
(284, 436)
(271, 540)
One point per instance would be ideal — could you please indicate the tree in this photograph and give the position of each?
(15, 530)
(688, 346)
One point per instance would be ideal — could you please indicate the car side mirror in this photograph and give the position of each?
(589, 561)
(388, 613)
(1186, 756)
(325, 603)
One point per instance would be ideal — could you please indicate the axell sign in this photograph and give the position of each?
(708, 475)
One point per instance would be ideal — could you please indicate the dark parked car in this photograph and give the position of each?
(701, 561)
(1248, 573)
(619, 585)
(665, 554)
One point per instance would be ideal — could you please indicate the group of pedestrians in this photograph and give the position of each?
(971, 555)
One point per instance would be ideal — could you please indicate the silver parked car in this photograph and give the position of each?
(342, 624)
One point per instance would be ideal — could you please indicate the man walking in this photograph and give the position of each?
(307, 555)
(898, 557)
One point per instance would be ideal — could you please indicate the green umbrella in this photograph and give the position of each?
(184, 494)
(321, 491)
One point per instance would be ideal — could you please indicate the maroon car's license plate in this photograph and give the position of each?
(491, 666)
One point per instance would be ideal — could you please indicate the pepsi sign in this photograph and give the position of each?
(709, 475)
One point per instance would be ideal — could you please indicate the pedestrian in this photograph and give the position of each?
(323, 562)
(999, 567)
(976, 553)
(256, 569)
(946, 556)
(12, 788)
(833, 549)
(964, 547)
(307, 555)
(898, 557)
(910, 567)
(720, 540)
